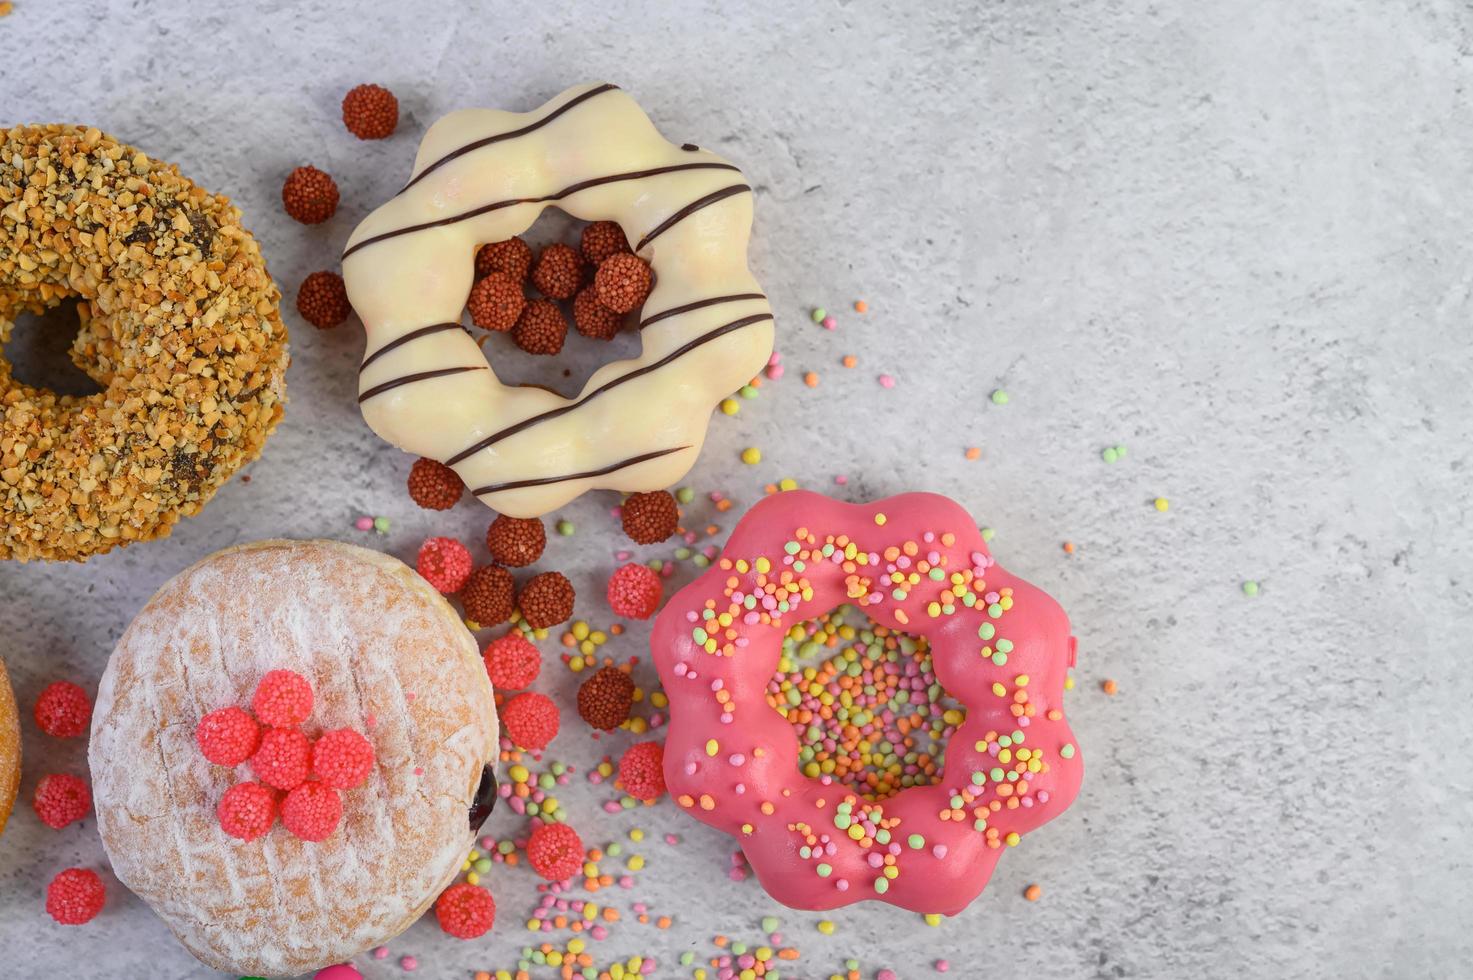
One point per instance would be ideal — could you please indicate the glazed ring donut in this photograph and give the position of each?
(484, 176)
(386, 656)
(913, 563)
(9, 748)
(179, 326)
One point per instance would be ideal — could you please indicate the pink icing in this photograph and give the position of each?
(732, 762)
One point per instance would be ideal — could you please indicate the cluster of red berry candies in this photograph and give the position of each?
(283, 759)
(75, 896)
(601, 278)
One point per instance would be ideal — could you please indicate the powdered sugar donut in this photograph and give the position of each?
(484, 176)
(385, 655)
(913, 563)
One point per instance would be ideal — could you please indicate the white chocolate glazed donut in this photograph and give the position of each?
(484, 176)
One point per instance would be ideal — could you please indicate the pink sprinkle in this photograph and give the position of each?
(842, 884)
(775, 371)
(370, 720)
(599, 933)
(419, 770)
(841, 479)
(737, 874)
(382, 953)
(623, 555)
(364, 523)
(626, 882)
(612, 807)
(886, 381)
(408, 964)
(886, 975)
(775, 359)
(942, 966)
(671, 839)
(939, 851)
(829, 323)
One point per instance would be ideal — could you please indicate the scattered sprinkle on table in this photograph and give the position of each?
(860, 306)
(973, 452)
(819, 313)
(810, 378)
(1112, 454)
(1162, 504)
(1250, 588)
(565, 527)
(886, 381)
(751, 455)
(1109, 686)
(1033, 893)
(999, 397)
(849, 360)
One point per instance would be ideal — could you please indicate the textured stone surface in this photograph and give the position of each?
(1234, 239)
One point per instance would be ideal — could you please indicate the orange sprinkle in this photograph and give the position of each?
(1068, 547)
(849, 360)
(1033, 893)
(860, 306)
(663, 922)
(973, 452)
(1109, 687)
(810, 378)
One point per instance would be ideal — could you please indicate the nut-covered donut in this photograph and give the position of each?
(319, 642)
(484, 176)
(916, 564)
(179, 326)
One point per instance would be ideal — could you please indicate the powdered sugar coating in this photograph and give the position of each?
(386, 655)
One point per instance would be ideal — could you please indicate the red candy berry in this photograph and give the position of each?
(283, 759)
(541, 328)
(247, 811)
(635, 591)
(496, 302)
(488, 596)
(516, 541)
(605, 698)
(433, 485)
(466, 911)
(445, 563)
(623, 282)
(642, 770)
(283, 699)
(370, 112)
(228, 737)
(342, 758)
(512, 662)
(546, 600)
(531, 720)
(61, 799)
(649, 518)
(309, 195)
(312, 811)
(322, 299)
(63, 710)
(555, 851)
(592, 318)
(513, 257)
(602, 239)
(558, 272)
(75, 896)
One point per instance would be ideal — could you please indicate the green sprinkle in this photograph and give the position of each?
(687, 958)
(1109, 454)
(700, 561)
(565, 528)
(699, 635)
(1250, 588)
(987, 533)
(819, 313)
(824, 870)
(685, 495)
(614, 849)
(1067, 751)
(986, 631)
(682, 553)
(770, 923)
(747, 392)
(916, 842)
(999, 397)
(882, 885)
(999, 658)
(381, 525)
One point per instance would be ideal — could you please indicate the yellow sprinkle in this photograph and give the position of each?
(880, 519)
(729, 406)
(473, 878)
(1162, 503)
(751, 455)
(599, 637)
(636, 835)
(712, 746)
(636, 863)
(787, 483)
(932, 919)
(580, 630)
(659, 700)
(1012, 839)
(576, 946)
(519, 774)
(826, 927)
(638, 725)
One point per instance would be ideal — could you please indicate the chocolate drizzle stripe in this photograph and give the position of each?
(689, 210)
(512, 134)
(412, 378)
(546, 480)
(401, 341)
(669, 358)
(699, 304)
(568, 191)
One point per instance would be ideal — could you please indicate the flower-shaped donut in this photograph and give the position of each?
(484, 176)
(914, 563)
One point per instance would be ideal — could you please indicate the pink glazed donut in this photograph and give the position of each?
(915, 563)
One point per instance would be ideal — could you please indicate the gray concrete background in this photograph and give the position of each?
(1232, 236)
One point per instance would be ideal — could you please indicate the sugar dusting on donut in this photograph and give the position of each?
(385, 655)
(913, 563)
(484, 176)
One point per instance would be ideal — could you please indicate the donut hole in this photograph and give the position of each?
(864, 703)
(567, 372)
(40, 349)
